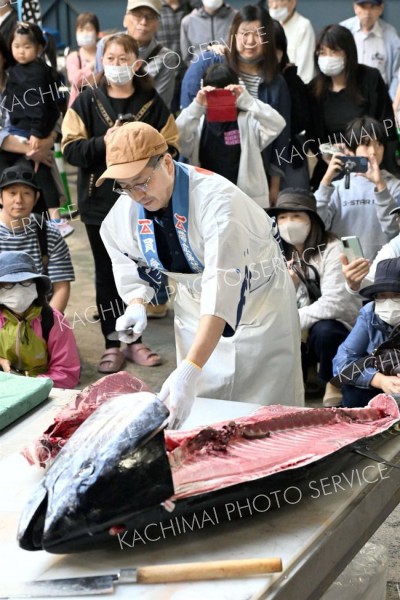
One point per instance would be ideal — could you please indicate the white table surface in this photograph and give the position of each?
(296, 533)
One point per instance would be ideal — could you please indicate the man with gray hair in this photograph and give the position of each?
(142, 22)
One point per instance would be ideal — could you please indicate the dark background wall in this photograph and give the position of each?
(61, 14)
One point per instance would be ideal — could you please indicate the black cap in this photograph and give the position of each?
(387, 278)
(295, 200)
(18, 174)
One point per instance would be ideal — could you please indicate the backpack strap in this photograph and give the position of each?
(155, 52)
(47, 321)
(41, 232)
(102, 99)
(107, 114)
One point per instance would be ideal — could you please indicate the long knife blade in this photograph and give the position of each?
(104, 584)
(57, 588)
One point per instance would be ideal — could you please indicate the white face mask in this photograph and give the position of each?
(86, 39)
(19, 298)
(120, 75)
(388, 310)
(294, 232)
(279, 14)
(212, 4)
(331, 65)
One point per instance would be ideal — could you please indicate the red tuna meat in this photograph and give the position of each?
(207, 459)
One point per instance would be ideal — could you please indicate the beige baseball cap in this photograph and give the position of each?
(153, 4)
(129, 149)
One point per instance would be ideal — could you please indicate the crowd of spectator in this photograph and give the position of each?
(304, 122)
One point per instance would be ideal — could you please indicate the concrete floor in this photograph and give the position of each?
(159, 336)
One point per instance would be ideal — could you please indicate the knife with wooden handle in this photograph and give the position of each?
(104, 584)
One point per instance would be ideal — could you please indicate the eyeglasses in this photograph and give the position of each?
(139, 16)
(10, 286)
(13, 175)
(138, 187)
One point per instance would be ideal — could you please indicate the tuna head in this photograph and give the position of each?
(114, 465)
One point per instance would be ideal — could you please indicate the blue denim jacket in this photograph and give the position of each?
(367, 334)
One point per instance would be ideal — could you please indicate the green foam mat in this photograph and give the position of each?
(19, 394)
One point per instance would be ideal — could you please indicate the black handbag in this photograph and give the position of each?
(313, 285)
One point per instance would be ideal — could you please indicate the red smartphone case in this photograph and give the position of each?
(221, 106)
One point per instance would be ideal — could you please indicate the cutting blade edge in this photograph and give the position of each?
(58, 588)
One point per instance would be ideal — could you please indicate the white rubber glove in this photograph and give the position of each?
(135, 318)
(179, 391)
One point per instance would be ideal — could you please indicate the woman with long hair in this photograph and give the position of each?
(123, 91)
(326, 310)
(250, 52)
(344, 90)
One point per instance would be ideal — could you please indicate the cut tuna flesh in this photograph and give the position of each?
(272, 439)
(43, 450)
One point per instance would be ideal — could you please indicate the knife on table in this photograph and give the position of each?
(104, 584)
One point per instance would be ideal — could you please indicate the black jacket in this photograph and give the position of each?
(84, 127)
(31, 97)
(377, 104)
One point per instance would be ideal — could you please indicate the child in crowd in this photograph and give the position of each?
(31, 101)
(81, 63)
(230, 148)
(20, 230)
(327, 312)
(374, 326)
(35, 339)
(364, 209)
(31, 95)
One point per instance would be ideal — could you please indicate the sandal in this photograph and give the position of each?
(142, 355)
(112, 361)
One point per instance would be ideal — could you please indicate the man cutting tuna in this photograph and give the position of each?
(236, 321)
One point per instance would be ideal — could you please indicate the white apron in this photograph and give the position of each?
(238, 274)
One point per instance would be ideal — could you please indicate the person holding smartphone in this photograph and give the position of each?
(327, 312)
(230, 146)
(363, 210)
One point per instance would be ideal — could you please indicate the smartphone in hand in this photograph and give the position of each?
(354, 164)
(352, 248)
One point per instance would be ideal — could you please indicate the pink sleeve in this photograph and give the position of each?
(64, 363)
(75, 73)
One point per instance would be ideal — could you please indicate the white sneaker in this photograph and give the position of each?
(63, 227)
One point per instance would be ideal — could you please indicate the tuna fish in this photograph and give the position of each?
(121, 472)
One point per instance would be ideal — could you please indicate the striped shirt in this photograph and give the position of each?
(251, 83)
(26, 240)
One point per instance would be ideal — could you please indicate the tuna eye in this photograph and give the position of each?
(86, 470)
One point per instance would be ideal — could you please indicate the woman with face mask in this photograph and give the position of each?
(80, 63)
(326, 310)
(123, 90)
(375, 324)
(35, 340)
(344, 90)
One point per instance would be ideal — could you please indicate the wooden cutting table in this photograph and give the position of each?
(316, 535)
